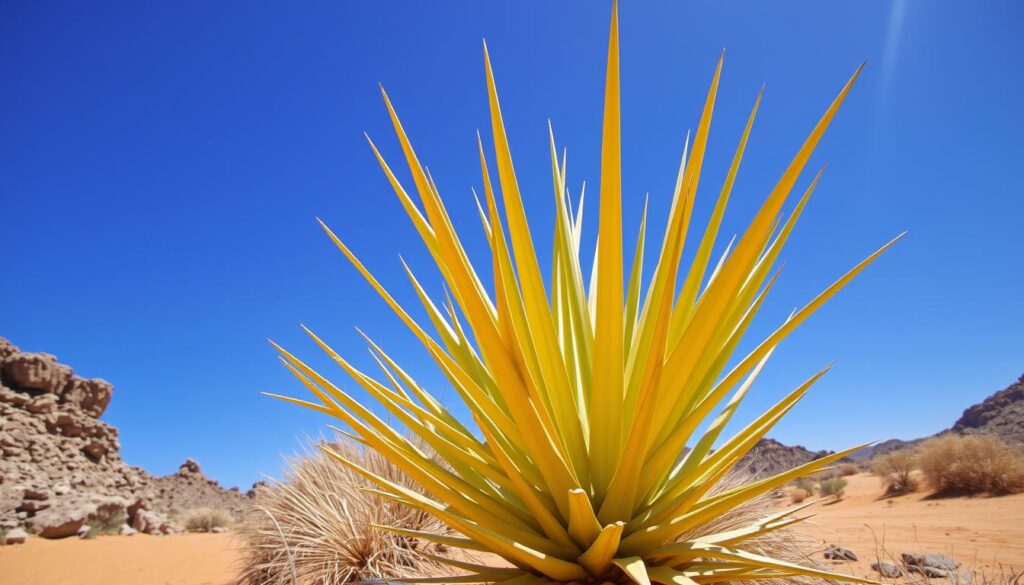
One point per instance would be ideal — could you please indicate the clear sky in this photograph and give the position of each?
(161, 165)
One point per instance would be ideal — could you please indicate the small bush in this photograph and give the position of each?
(896, 471)
(205, 519)
(798, 495)
(966, 465)
(848, 469)
(832, 486)
(106, 521)
(806, 484)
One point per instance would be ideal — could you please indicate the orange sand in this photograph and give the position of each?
(982, 532)
(187, 559)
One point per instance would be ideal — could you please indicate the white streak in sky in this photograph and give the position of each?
(892, 42)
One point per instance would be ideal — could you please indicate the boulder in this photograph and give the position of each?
(931, 561)
(127, 530)
(89, 396)
(39, 372)
(190, 466)
(72, 517)
(837, 553)
(149, 522)
(7, 349)
(887, 569)
(60, 521)
(16, 536)
(930, 572)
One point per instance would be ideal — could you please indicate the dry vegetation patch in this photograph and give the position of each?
(206, 519)
(960, 465)
(896, 470)
(318, 525)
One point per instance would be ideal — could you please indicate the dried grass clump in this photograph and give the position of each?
(806, 484)
(317, 526)
(206, 519)
(964, 465)
(848, 469)
(896, 471)
(798, 495)
(832, 486)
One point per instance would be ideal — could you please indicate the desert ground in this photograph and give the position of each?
(984, 533)
(981, 532)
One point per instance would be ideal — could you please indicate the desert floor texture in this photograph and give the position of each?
(984, 533)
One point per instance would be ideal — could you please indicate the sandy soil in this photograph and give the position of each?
(982, 532)
(188, 559)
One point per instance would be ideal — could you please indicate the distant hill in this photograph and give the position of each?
(769, 457)
(882, 448)
(1001, 414)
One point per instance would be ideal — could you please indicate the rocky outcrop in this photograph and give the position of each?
(1000, 414)
(61, 471)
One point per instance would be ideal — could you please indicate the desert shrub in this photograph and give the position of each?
(832, 486)
(806, 484)
(896, 471)
(317, 525)
(106, 520)
(954, 464)
(798, 495)
(205, 519)
(848, 469)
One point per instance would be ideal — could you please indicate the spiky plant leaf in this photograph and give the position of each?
(585, 396)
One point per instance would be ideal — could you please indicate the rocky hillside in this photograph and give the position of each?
(769, 457)
(61, 469)
(1001, 414)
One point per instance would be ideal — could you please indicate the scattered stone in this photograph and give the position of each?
(930, 560)
(930, 572)
(219, 529)
(126, 530)
(887, 569)
(837, 553)
(83, 531)
(16, 536)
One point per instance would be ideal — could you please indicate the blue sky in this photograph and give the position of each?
(161, 165)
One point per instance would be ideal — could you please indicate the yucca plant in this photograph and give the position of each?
(584, 397)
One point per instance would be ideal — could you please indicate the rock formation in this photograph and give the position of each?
(61, 468)
(1001, 414)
